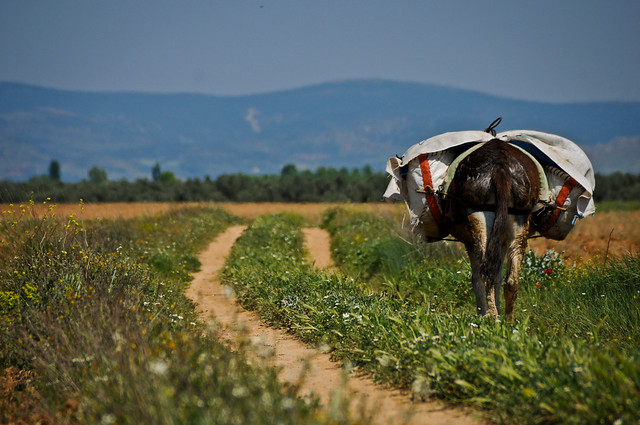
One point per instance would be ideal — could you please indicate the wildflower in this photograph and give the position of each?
(108, 419)
(158, 367)
(538, 284)
(240, 391)
(548, 271)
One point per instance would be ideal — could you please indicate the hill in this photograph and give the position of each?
(349, 123)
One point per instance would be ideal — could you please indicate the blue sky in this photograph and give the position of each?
(551, 51)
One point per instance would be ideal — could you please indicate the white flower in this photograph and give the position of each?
(108, 419)
(158, 367)
(240, 391)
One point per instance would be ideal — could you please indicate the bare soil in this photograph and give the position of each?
(307, 367)
(318, 243)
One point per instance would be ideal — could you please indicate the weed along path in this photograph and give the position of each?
(309, 368)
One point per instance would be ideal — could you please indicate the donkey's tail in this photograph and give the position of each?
(492, 266)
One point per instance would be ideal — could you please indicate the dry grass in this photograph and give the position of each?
(91, 211)
(617, 233)
(311, 211)
(248, 211)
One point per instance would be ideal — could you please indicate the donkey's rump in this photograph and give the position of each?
(485, 173)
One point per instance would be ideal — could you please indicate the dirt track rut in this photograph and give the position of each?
(322, 377)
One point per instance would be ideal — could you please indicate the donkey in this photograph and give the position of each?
(493, 193)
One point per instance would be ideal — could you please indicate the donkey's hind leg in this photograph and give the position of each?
(477, 282)
(486, 289)
(494, 290)
(514, 263)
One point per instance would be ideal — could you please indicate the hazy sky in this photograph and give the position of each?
(556, 51)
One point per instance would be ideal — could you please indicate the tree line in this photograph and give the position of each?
(291, 185)
(617, 187)
(325, 184)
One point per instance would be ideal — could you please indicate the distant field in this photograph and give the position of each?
(614, 232)
(619, 232)
(249, 211)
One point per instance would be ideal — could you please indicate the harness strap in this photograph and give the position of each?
(567, 187)
(429, 191)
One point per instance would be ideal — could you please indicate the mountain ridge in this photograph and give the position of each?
(348, 123)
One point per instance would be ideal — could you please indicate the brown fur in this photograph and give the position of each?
(494, 191)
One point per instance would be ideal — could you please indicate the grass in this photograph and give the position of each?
(95, 327)
(571, 357)
(612, 206)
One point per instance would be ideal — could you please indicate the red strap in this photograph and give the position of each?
(429, 192)
(567, 187)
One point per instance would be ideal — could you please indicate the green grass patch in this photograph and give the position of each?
(411, 323)
(609, 206)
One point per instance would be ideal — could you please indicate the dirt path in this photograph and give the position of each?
(322, 377)
(318, 243)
